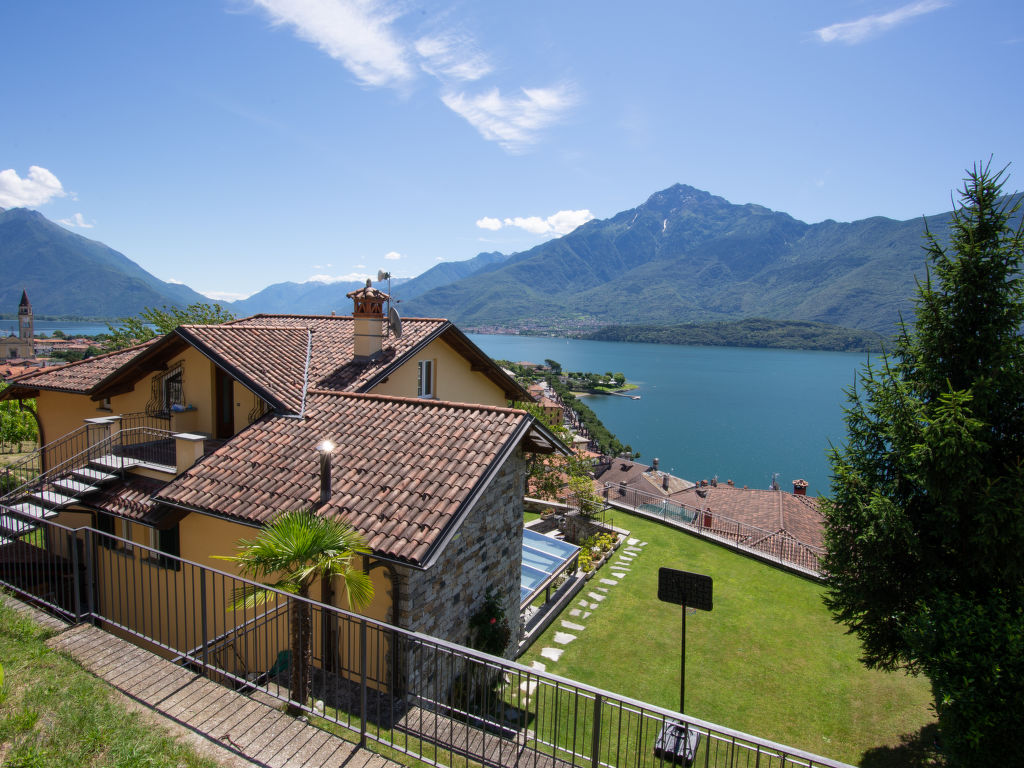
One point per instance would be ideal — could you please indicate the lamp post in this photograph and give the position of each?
(325, 448)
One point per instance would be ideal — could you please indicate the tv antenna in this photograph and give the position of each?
(394, 320)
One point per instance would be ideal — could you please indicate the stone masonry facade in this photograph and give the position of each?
(485, 552)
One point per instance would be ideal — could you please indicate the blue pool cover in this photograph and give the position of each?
(543, 557)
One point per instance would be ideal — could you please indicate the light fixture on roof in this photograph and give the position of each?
(325, 448)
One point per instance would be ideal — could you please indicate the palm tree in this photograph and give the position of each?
(295, 549)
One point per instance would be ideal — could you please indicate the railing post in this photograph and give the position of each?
(202, 620)
(363, 698)
(595, 741)
(72, 537)
(90, 580)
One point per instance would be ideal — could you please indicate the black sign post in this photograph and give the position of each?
(677, 743)
(690, 590)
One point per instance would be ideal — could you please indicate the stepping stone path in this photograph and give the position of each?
(590, 602)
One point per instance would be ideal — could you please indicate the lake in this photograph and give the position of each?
(738, 413)
(734, 412)
(71, 328)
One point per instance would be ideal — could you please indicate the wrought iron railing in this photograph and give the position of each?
(79, 449)
(439, 702)
(18, 474)
(772, 545)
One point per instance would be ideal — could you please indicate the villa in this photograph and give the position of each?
(192, 441)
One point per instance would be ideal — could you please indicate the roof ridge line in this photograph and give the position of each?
(417, 401)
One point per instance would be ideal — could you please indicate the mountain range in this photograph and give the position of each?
(683, 256)
(686, 255)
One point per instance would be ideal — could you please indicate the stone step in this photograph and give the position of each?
(92, 475)
(110, 462)
(13, 526)
(33, 510)
(76, 487)
(54, 499)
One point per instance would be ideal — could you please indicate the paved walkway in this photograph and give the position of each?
(619, 564)
(226, 726)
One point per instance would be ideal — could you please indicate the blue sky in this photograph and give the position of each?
(231, 144)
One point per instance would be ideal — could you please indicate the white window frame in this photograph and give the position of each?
(425, 372)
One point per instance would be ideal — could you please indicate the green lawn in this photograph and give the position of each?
(768, 660)
(54, 713)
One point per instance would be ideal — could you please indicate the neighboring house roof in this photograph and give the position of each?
(772, 511)
(405, 470)
(279, 357)
(81, 377)
(637, 475)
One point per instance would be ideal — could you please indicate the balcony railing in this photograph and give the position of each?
(436, 701)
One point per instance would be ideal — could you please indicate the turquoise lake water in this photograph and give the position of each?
(732, 412)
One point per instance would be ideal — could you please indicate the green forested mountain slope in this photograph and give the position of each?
(67, 274)
(688, 256)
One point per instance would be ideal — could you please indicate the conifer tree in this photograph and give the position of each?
(925, 529)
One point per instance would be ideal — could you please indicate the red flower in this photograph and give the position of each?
(494, 621)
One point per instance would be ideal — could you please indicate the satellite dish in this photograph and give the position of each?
(394, 322)
(382, 275)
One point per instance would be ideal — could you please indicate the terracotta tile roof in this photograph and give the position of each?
(637, 475)
(132, 499)
(81, 376)
(272, 358)
(331, 364)
(772, 511)
(404, 469)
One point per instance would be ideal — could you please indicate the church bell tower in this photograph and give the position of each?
(26, 329)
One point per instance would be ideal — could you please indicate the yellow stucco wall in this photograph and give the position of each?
(60, 412)
(453, 379)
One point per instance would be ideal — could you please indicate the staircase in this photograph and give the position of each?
(72, 480)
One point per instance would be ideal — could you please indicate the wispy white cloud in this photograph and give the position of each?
(358, 33)
(561, 223)
(39, 187)
(364, 37)
(513, 122)
(452, 57)
(392, 256)
(853, 32)
(76, 221)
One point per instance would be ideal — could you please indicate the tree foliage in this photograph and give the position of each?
(295, 550)
(925, 530)
(17, 423)
(156, 322)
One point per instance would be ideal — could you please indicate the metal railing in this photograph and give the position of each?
(26, 470)
(772, 545)
(78, 450)
(436, 701)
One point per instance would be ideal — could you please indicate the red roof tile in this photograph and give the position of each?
(81, 376)
(404, 469)
(772, 511)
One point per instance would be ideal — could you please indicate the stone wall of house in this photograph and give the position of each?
(486, 552)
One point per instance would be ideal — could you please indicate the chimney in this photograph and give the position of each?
(368, 321)
(654, 464)
(799, 487)
(325, 449)
(664, 482)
